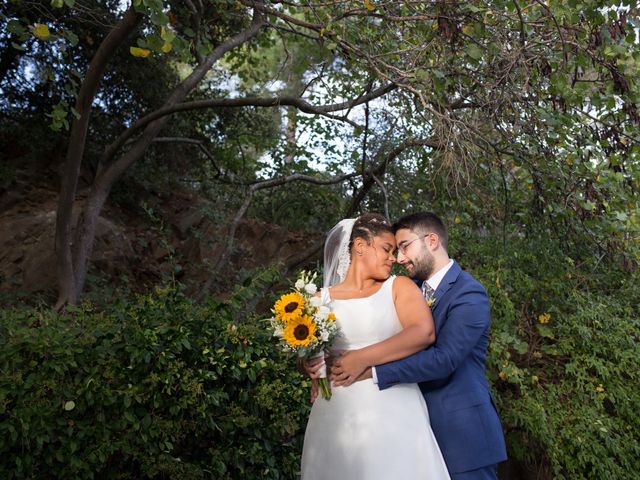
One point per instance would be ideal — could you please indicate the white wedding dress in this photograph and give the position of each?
(363, 433)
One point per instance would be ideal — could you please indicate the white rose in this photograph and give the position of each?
(310, 288)
(315, 301)
(324, 336)
(299, 284)
(323, 312)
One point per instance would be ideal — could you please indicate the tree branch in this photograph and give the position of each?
(271, 183)
(523, 35)
(280, 101)
(616, 128)
(565, 55)
(67, 281)
(369, 176)
(380, 169)
(191, 141)
(302, 257)
(108, 173)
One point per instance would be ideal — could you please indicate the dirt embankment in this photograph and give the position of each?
(177, 239)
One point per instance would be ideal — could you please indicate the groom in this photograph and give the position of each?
(451, 372)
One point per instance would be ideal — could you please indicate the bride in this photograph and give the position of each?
(363, 433)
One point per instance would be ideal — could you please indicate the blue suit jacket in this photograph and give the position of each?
(451, 374)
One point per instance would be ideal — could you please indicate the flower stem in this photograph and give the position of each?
(325, 388)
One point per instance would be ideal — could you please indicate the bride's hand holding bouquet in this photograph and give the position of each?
(305, 325)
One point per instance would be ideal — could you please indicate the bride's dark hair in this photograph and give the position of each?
(369, 225)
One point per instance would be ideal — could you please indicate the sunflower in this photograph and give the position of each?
(289, 306)
(300, 331)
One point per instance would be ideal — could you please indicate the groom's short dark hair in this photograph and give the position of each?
(424, 222)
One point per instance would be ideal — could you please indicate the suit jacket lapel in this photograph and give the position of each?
(449, 279)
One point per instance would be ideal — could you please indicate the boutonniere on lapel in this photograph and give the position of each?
(431, 300)
(429, 294)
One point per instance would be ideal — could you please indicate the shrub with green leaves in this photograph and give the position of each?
(158, 388)
(161, 387)
(564, 359)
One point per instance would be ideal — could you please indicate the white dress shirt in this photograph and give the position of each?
(436, 278)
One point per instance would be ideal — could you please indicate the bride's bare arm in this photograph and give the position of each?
(418, 332)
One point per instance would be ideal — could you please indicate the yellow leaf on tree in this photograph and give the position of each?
(369, 5)
(167, 35)
(140, 52)
(166, 48)
(41, 31)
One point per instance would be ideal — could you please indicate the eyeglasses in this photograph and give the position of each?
(403, 247)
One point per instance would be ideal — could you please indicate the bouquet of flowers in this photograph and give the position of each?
(304, 325)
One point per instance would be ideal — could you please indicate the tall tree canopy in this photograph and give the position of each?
(525, 113)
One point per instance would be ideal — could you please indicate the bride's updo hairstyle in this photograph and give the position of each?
(368, 226)
(339, 242)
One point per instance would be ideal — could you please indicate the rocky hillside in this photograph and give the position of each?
(172, 236)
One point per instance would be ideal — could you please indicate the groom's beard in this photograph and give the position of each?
(423, 265)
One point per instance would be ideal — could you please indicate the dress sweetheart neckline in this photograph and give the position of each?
(360, 298)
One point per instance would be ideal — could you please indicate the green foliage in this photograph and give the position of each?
(300, 206)
(531, 111)
(159, 387)
(564, 358)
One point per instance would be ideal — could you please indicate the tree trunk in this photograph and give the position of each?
(109, 173)
(290, 135)
(67, 282)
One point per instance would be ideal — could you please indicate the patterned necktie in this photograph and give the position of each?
(427, 291)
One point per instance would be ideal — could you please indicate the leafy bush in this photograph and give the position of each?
(564, 359)
(160, 387)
